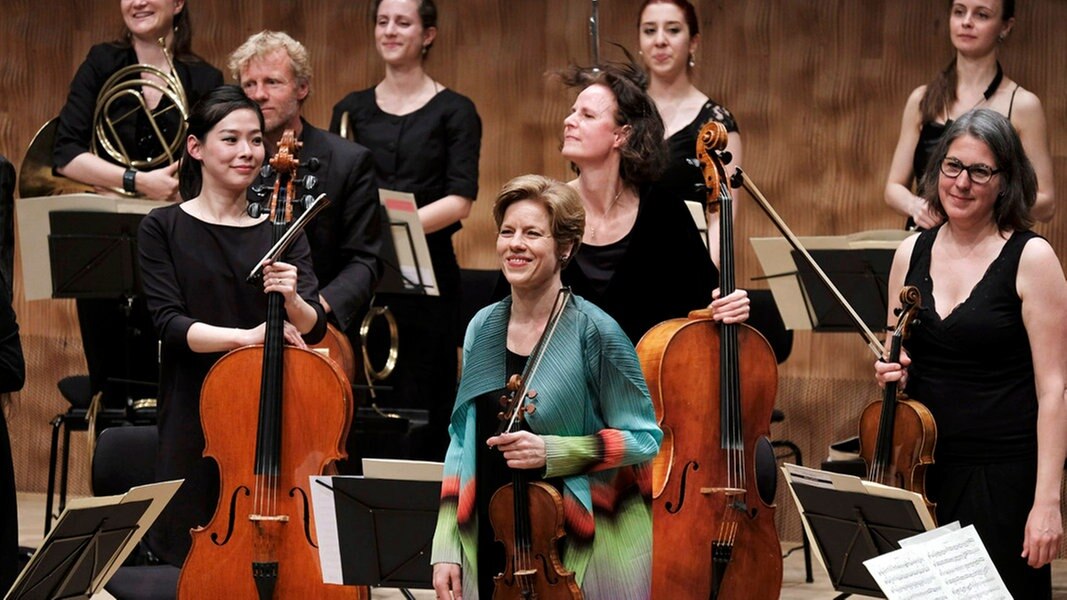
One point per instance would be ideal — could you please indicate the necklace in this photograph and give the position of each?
(604, 215)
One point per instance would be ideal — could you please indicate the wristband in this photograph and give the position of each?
(128, 183)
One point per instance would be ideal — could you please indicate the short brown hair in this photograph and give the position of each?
(566, 214)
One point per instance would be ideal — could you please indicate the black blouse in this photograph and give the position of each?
(681, 179)
(76, 117)
(665, 272)
(431, 152)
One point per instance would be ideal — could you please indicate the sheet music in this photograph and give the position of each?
(949, 566)
(322, 507)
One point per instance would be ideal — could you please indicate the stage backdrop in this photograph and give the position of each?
(817, 87)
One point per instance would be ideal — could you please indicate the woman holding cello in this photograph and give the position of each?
(987, 357)
(194, 259)
(635, 234)
(591, 435)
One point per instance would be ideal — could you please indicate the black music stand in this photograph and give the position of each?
(849, 527)
(385, 528)
(88, 543)
(862, 277)
(93, 258)
(393, 280)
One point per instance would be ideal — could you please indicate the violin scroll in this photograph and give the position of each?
(907, 314)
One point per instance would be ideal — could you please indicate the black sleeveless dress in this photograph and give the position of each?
(973, 369)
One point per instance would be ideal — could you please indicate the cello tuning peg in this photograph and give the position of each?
(307, 201)
(897, 311)
(692, 162)
(725, 157)
(313, 164)
(259, 190)
(309, 182)
(255, 209)
(266, 171)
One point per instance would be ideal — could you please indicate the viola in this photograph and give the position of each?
(897, 434)
(272, 416)
(527, 517)
(713, 387)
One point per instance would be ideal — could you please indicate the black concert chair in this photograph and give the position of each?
(77, 391)
(765, 318)
(125, 457)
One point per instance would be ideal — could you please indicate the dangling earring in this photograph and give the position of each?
(692, 63)
(1002, 37)
(425, 49)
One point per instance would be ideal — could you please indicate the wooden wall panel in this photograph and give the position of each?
(817, 87)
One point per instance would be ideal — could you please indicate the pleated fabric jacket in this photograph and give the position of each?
(596, 417)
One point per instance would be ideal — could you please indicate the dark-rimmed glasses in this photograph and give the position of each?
(979, 173)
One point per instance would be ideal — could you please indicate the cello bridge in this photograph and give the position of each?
(275, 518)
(729, 491)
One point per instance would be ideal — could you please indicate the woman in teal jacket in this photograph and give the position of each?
(593, 434)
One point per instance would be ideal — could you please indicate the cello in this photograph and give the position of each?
(527, 517)
(897, 435)
(714, 478)
(272, 416)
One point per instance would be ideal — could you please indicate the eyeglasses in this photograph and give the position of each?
(979, 173)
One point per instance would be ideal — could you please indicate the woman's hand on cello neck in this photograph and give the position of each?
(733, 308)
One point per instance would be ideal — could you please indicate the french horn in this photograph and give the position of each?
(36, 177)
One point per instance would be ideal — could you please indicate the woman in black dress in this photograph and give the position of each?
(669, 32)
(642, 259)
(973, 79)
(146, 21)
(425, 139)
(194, 260)
(116, 334)
(987, 357)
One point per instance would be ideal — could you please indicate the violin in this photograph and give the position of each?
(897, 434)
(272, 416)
(527, 517)
(713, 387)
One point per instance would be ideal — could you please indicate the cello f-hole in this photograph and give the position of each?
(672, 507)
(305, 514)
(232, 513)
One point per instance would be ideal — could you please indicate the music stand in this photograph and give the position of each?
(93, 254)
(93, 258)
(89, 542)
(851, 521)
(857, 264)
(376, 532)
(405, 253)
(862, 276)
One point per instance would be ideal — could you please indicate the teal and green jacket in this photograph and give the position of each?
(596, 417)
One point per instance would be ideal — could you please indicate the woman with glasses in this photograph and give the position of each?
(974, 79)
(988, 354)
